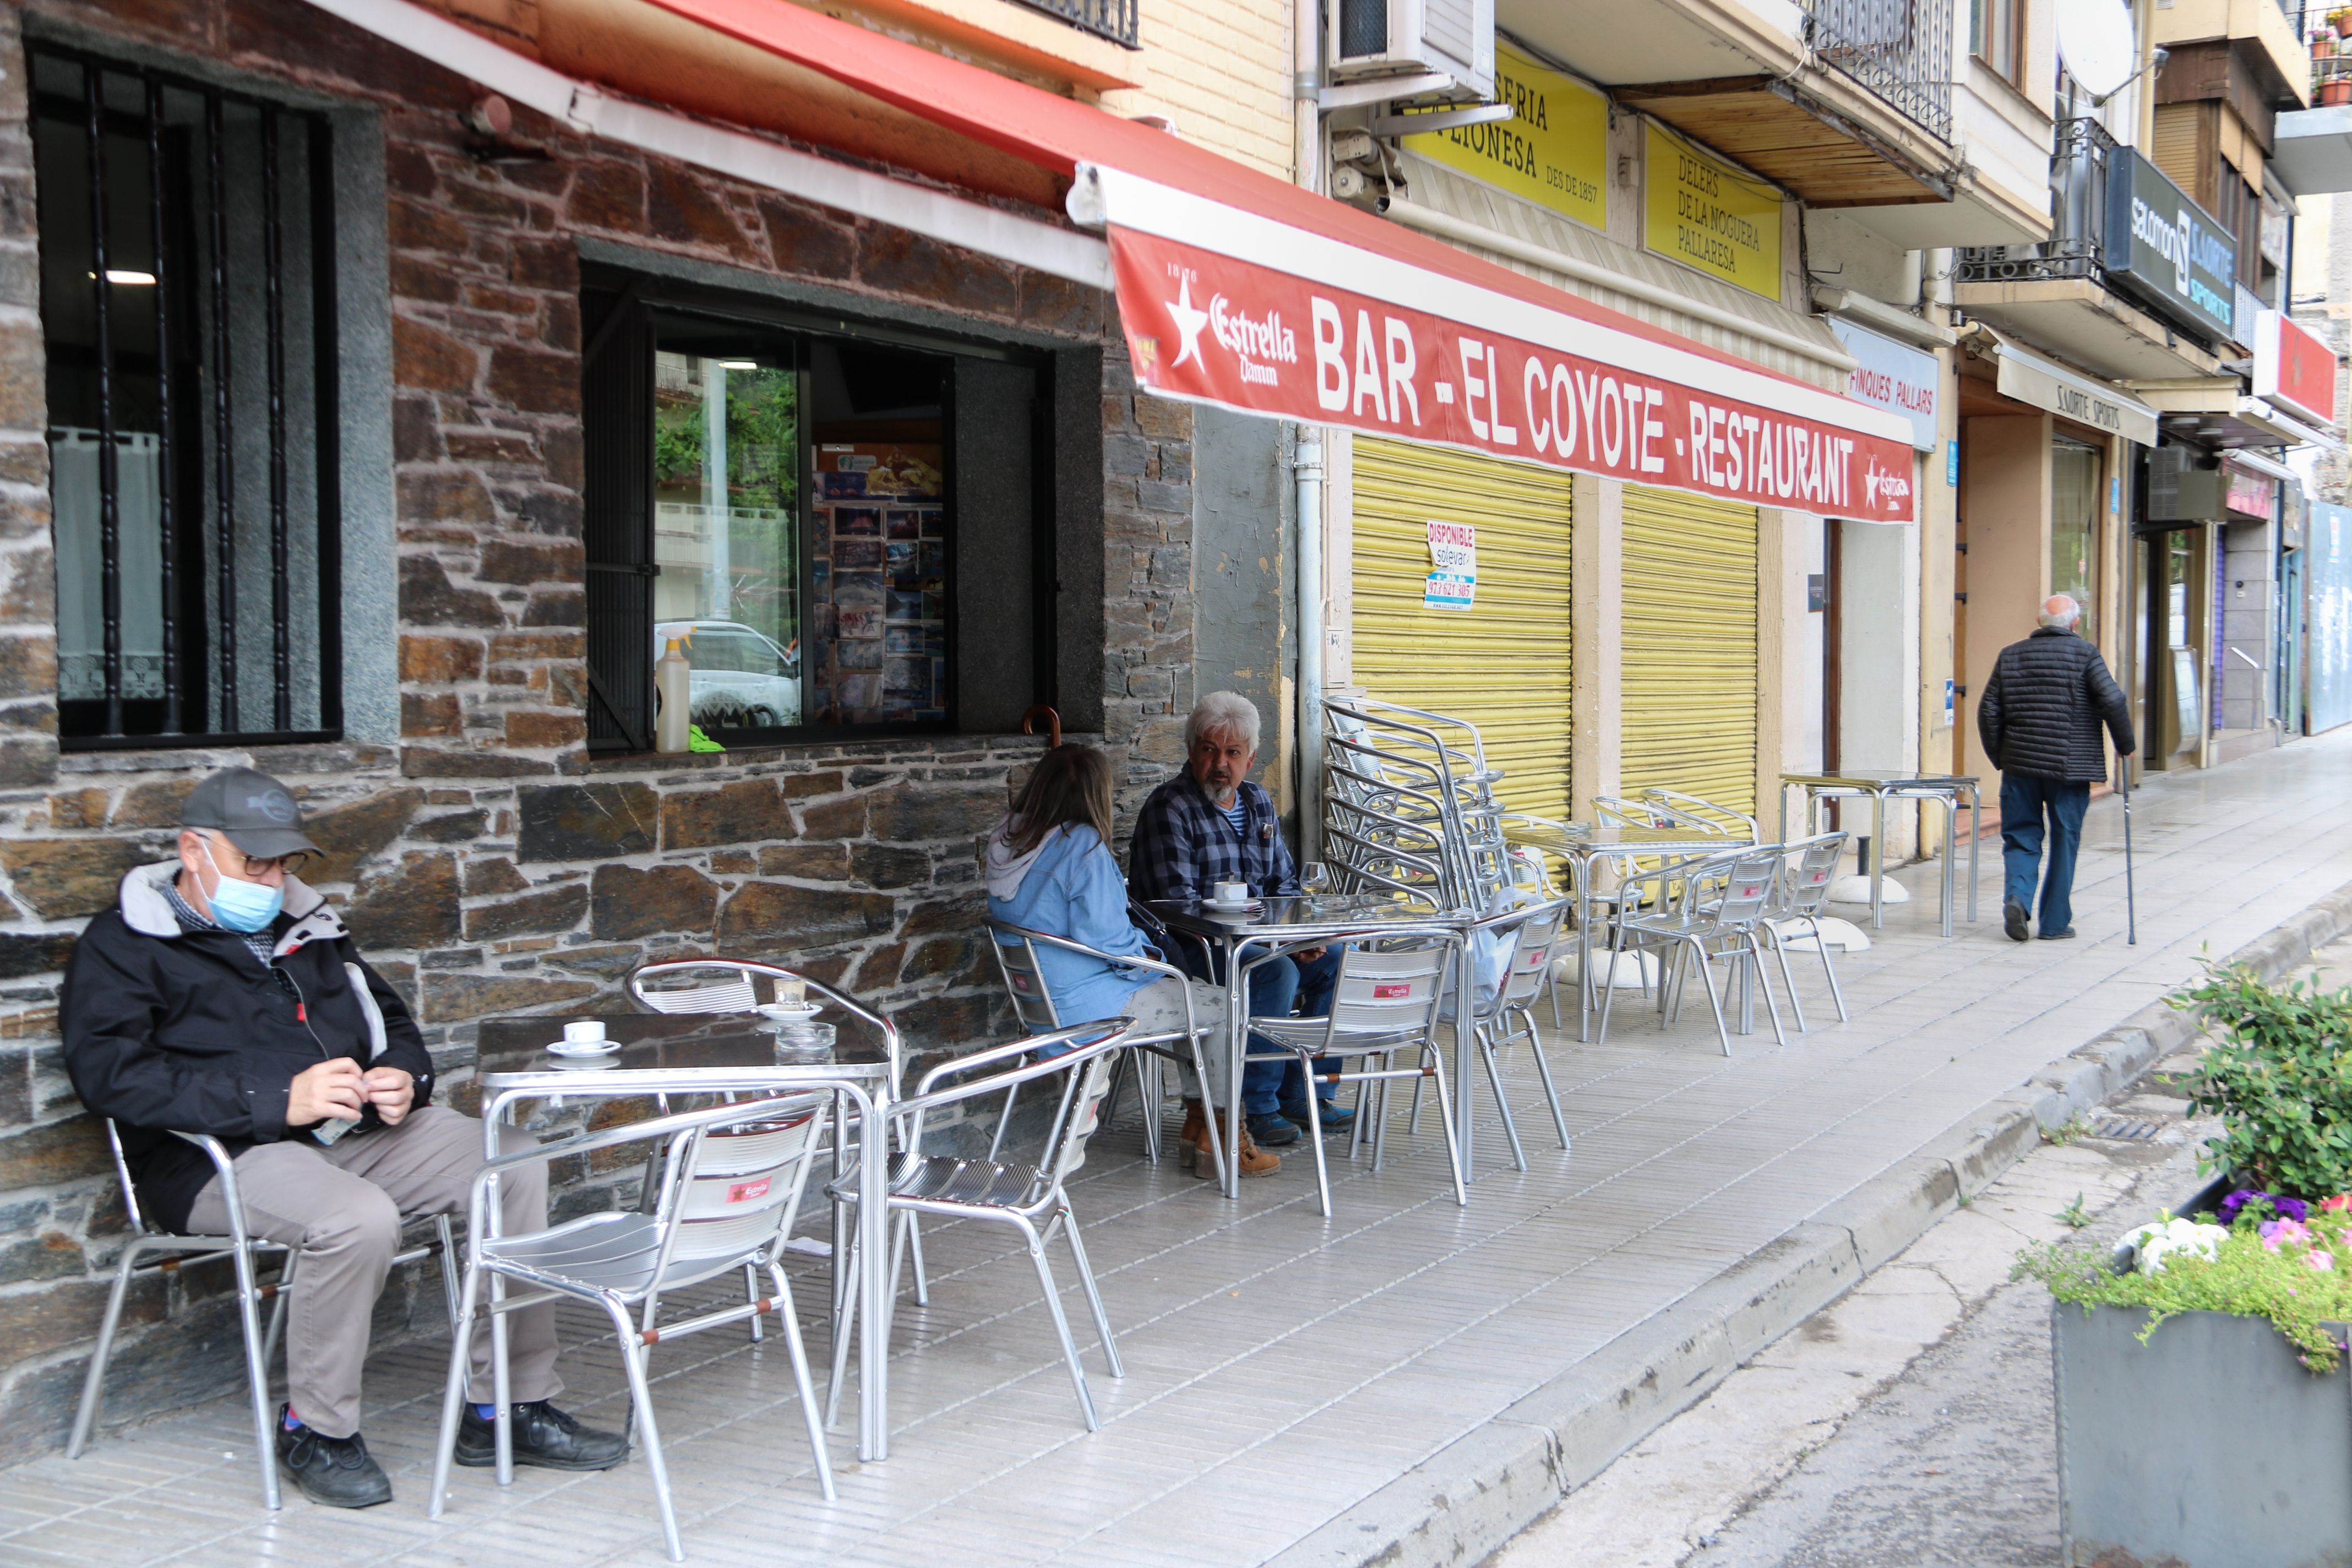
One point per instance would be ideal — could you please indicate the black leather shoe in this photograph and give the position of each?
(335, 1471)
(2012, 918)
(545, 1437)
(1274, 1132)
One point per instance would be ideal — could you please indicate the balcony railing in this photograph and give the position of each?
(1899, 50)
(2078, 190)
(1113, 19)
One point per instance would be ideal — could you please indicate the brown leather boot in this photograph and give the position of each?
(1188, 1140)
(1255, 1161)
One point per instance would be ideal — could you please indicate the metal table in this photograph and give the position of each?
(1287, 922)
(1882, 786)
(1586, 846)
(716, 1054)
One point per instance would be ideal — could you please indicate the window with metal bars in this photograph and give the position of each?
(188, 308)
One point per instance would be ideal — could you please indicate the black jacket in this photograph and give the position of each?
(2041, 712)
(168, 1029)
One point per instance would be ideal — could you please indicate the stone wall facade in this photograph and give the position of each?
(485, 860)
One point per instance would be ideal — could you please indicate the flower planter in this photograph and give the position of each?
(2335, 90)
(2209, 1447)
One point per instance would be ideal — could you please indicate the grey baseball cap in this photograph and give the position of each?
(257, 813)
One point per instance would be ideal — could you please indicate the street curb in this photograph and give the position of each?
(1467, 1501)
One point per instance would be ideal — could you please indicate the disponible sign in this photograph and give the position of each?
(1889, 375)
(1720, 219)
(2294, 368)
(2162, 243)
(1453, 582)
(1324, 354)
(1553, 150)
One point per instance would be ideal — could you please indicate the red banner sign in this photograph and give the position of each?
(1207, 326)
(2294, 368)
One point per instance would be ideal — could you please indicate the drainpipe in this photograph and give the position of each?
(1309, 469)
(1309, 171)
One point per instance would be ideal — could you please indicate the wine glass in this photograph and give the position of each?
(1313, 881)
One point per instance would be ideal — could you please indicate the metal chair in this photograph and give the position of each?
(1707, 908)
(1384, 999)
(1798, 896)
(1535, 930)
(730, 986)
(735, 1174)
(1015, 1194)
(1033, 1006)
(245, 1252)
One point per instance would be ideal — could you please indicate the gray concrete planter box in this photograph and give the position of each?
(2210, 1447)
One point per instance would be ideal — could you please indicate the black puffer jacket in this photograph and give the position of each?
(168, 1029)
(2041, 712)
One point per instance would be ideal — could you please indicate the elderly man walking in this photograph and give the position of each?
(1210, 825)
(2039, 719)
(224, 997)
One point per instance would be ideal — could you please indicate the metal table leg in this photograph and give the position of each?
(1951, 814)
(1976, 837)
(1877, 868)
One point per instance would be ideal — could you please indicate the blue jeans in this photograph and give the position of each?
(1274, 988)
(2024, 801)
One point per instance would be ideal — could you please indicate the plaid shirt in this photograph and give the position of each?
(1183, 845)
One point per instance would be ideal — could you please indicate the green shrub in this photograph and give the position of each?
(2279, 1074)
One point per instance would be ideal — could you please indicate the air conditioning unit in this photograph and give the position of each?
(1373, 39)
(2179, 490)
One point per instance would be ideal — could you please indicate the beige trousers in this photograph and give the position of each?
(1159, 1008)
(341, 1209)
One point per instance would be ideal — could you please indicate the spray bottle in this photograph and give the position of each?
(673, 690)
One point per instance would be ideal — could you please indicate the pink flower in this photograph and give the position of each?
(2340, 1203)
(2276, 1233)
(2322, 1261)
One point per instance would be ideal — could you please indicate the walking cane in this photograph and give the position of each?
(2131, 917)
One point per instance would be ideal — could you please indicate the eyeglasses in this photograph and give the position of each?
(254, 866)
(257, 865)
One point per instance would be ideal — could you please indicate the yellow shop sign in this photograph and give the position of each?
(1553, 150)
(1719, 219)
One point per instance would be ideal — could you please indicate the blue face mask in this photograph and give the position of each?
(240, 905)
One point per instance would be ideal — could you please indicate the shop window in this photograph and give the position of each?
(2074, 501)
(846, 532)
(1996, 37)
(187, 313)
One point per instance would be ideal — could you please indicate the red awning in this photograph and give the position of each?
(1238, 288)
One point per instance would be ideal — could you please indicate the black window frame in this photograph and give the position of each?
(190, 377)
(619, 308)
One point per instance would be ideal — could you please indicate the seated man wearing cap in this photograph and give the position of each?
(224, 997)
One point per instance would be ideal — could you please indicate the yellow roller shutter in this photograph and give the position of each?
(1501, 664)
(1688, 660)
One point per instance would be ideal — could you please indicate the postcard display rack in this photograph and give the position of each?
(878, 584)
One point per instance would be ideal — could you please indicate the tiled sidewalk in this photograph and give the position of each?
(1280, 1367)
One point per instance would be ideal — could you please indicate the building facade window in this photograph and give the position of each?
(188, 313)
(847, 530)
(2075, 505)
(1996, 37)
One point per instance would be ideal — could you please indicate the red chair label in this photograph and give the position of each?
(744, 1191)
(1392, 989)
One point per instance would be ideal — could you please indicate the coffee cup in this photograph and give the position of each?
(586, 1032)
(1232, 892)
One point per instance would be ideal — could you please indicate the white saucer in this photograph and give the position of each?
(583, 1048)
(781, 1013)
(1241, 907)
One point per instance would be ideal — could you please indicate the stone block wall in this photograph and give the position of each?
(485, 860)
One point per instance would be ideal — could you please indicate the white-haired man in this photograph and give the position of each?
(1210, 825)
(2039, 719)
